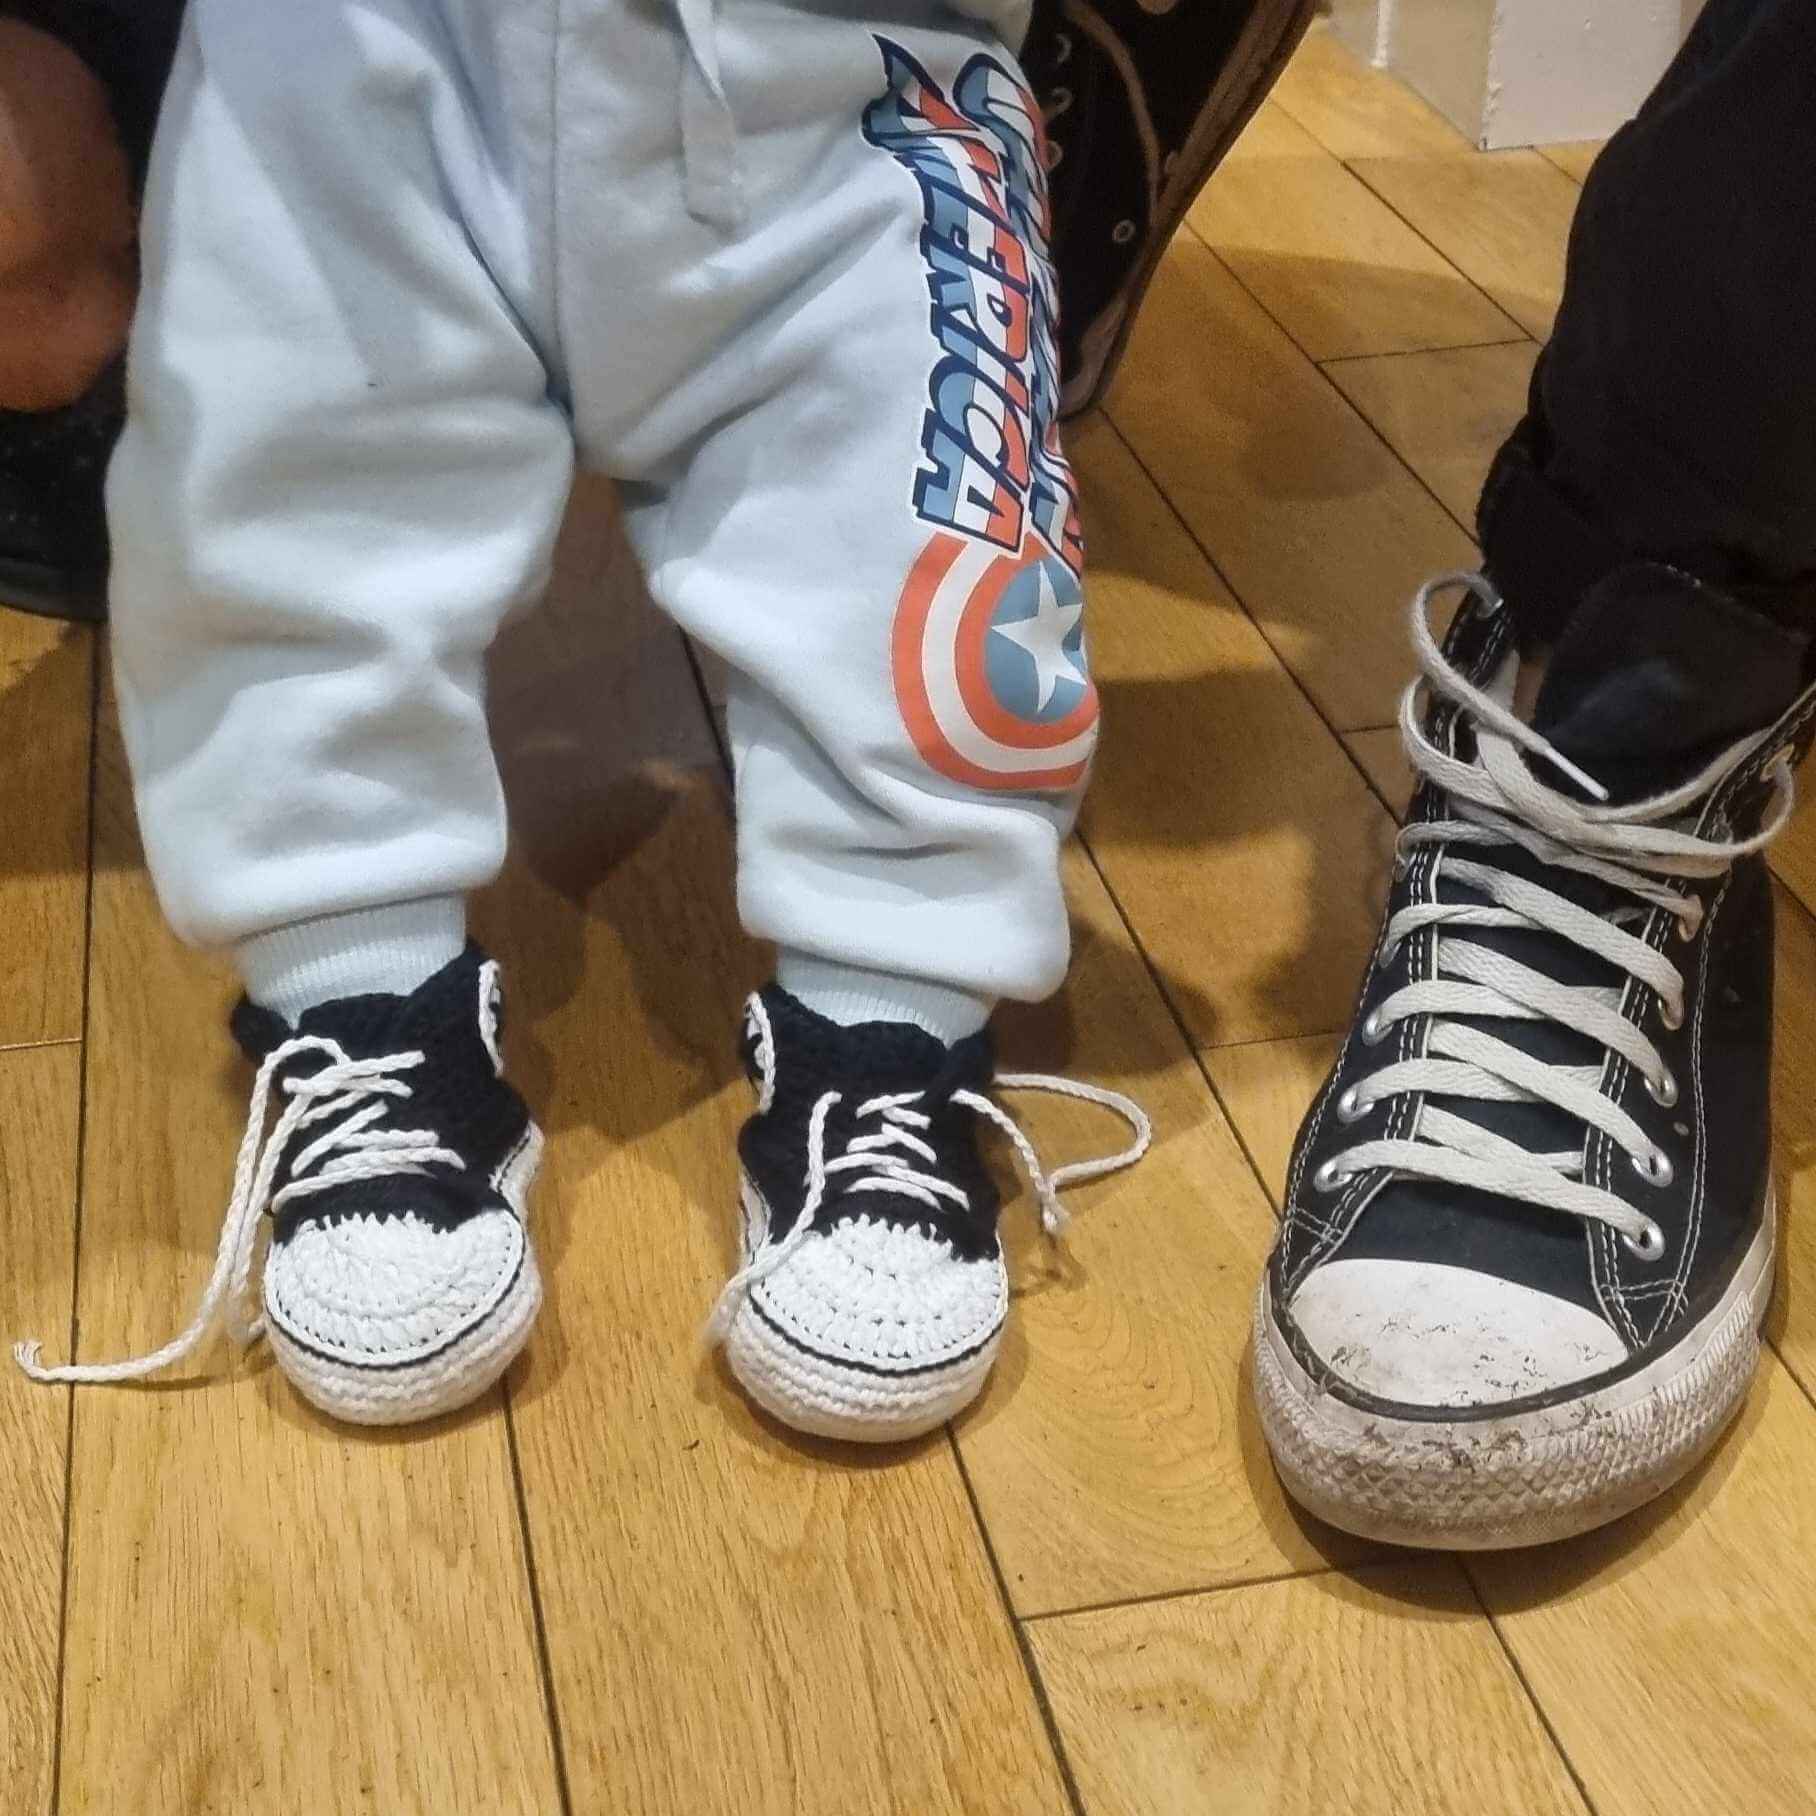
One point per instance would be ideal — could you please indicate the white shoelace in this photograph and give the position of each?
(885, 1160)
(1637, 848)
(350, 1094)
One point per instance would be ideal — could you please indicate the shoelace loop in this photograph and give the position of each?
(1642, 849)
(894, 1157)
(348, 1094)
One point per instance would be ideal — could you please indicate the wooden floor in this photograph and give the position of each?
(610, 1588)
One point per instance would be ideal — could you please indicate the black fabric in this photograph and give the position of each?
(814, 1056)
(1615, 689)
(53, 527)
(1669, 418)
(456, 1092)
(1655, 673)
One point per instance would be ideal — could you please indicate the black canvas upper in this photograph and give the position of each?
(1642, 699)
(814, 1056)
(457, 1092)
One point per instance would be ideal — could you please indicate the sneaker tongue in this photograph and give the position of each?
(1656, 672)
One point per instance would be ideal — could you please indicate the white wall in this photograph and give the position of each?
(1522, 72)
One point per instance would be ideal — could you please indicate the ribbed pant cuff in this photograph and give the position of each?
(848, 995)
(370, 951)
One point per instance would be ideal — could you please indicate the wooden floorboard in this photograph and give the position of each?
(1445, 414)
(1501, 217)
(40, 1092)
(1374, 1695)
(46, 681)
(1222, 808)
(1319, 529)
(1327, 258)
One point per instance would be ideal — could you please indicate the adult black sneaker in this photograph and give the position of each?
(1141, 99)
(400, 1281)
(873, 1293)
(1529, 1227)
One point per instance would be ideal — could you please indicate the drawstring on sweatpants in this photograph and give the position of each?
(709, 129)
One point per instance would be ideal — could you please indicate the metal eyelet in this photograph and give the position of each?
(1649, 1245)
(1654, 1168)
(1374, 1029)
(1350, 1106)
(1664, 1092)
(1331, 1176)
(1672, 1018)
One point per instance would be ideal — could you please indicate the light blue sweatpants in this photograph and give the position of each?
(778, 268)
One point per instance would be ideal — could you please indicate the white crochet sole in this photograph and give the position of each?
(454, 1376)
(1531, 1477)
(449, 1379)
(830, 1400)
(833, 1399)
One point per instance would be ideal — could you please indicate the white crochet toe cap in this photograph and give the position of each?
(884, 1298)
(386, 1292)
(1423, 1334)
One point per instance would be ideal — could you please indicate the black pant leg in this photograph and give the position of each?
(1673, 415)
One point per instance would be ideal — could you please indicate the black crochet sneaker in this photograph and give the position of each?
(53, 528)
(400, 1281)
(873, 1293)
(1529, 1224)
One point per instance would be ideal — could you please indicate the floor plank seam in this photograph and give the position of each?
(1525, 1683)
(538, 1618)
(95, 646)
(1205, 1591)
(1522, 339)
(1361, 177)
(1520, 331)
(1030, 1668)
(1348, 403)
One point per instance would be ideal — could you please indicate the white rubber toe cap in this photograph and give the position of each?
(389, 1292)
(1421, 1334)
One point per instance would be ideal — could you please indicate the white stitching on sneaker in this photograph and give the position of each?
(351, 1089)
(1635, 848)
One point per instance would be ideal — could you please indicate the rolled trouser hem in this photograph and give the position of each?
(366, 951)
(848, 994)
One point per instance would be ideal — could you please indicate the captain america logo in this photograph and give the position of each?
(990, 666)
(988, 651)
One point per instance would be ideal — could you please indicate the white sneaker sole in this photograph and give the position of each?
(1531, 1477)
(451, 1378)
(833, 1399)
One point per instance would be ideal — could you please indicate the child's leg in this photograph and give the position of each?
(834, 399)
(342, 469)
(836, 418)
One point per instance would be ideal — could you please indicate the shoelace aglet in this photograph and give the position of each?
(1549, 753)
